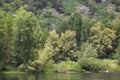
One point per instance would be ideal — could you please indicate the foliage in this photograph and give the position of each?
(6, 35)
(35, 67)
(87, 24)
(49, 36)
(2, 38)
(50, 67)
(91, 64)
(67, 67)
(69, 7)
(116, 27)
(12, 72)
(117, 53)
(24, 44)
(87, 51)
(102, 39)
(75, 24)
(66, 47)
(97, 65)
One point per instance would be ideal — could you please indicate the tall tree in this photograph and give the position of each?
(2, 39)
(24, 41)
(8, 27)
(75, 24)
(116, 27)
(6, 35)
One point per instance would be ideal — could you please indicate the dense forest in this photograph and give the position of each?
(59, 35)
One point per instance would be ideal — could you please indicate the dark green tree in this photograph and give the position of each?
(2, 39)
(75, 24)
(8, 29)
(6, 36)
(24, 41)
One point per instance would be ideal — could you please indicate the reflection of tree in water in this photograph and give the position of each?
(25, 77)
(10, 77)
(37, 77)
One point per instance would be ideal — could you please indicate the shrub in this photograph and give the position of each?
(49, 67)
(91, 64)
(67, 66)
(35, 66)
(97, 65)
(111, 65)
(21, 67)
(87, 51)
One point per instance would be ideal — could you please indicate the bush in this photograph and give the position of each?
(111, 65)
(4, 67)
(97, 65)
(91, 64)
(49, 67)
(62, 67)
(35, 66)
(21, 67)
(68, 66)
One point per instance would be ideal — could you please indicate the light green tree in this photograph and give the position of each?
(46, 53)
(102, 39)
(67, 46)
(50, 48)
(87, 51)
(116, 27)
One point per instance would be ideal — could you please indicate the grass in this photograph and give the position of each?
(12, 72)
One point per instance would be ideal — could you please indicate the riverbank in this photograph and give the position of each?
(82, 66)
(12, 72)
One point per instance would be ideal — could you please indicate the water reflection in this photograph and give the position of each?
(95, 76)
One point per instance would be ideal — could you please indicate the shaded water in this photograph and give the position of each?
(94, 76)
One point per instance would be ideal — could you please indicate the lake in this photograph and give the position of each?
(92, 76)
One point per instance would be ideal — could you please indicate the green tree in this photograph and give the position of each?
(6, 36)
(24, 41)
(81, 25)
(116, 27)
(87, 51)
(8, 27)
(67, 47)
(102, 39)
(75, 24)
(53, 41)
(117, 53)
(2, 39)
(87, 24)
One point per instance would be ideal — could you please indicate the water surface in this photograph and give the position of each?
(93, 76)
